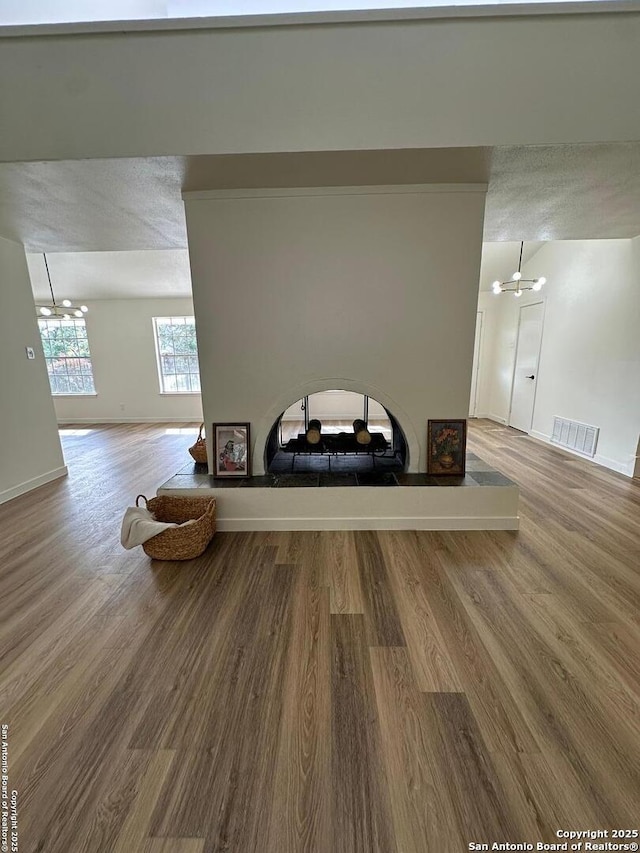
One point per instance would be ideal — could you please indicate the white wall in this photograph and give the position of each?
(590, 358)
(362, 290)
(30, 452)
(403, 84)
(125, 369)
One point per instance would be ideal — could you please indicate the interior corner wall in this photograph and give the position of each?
(125, 370)
(590, 356)
(30, 452)
(372, 290)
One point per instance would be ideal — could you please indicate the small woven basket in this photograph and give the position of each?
(180, 543)
(199, 449)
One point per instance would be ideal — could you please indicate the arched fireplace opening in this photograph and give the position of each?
(339, 431)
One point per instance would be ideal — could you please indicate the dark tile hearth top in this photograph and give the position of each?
(296, 481)
(415, 480)
(455, 481)
(377, 478)
(263, 481)
(194, 476)
(491, 478)
(310, 464)
(338, 479)
(477, 465)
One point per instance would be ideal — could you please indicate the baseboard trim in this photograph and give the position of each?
(158, 420)
(598, 459)
(34, 483)
(497, 419)
(229, 525)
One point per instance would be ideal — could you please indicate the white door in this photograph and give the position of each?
(525, 374)
(473, 402)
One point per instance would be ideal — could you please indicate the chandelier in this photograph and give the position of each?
(66, 310)
(517, 284)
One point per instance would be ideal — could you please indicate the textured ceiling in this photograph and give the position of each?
(94, 205)
(564, 192)
(116, 228)
(559, 192)
(124, 204)
(111, 275)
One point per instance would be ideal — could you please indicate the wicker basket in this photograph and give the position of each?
(180, 543)
(199, 449)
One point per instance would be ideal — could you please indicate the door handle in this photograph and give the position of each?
(530, 377)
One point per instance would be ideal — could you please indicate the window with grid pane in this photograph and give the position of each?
(177, 351)
(66, 352)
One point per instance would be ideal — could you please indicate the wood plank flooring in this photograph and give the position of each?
(338, 692)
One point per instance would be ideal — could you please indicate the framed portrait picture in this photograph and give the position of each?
(446, 447)
(232, 450)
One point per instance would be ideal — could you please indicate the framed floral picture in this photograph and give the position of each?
(232, 450)
(446, 447)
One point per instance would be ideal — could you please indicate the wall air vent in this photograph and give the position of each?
(575, 436)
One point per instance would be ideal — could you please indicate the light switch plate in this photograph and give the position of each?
(31, 353)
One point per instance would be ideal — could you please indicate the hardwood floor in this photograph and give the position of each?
(399, 692)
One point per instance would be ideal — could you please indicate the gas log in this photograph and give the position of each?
(314, 432)
(363, 436)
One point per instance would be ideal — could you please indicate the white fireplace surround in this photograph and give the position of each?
(365, 289)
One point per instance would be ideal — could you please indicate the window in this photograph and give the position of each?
(66, 353)
(177, 351)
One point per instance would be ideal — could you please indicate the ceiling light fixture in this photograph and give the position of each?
(519, 284)
(66, 311)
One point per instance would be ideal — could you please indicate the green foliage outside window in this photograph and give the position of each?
(177, 349)
(67, 355)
